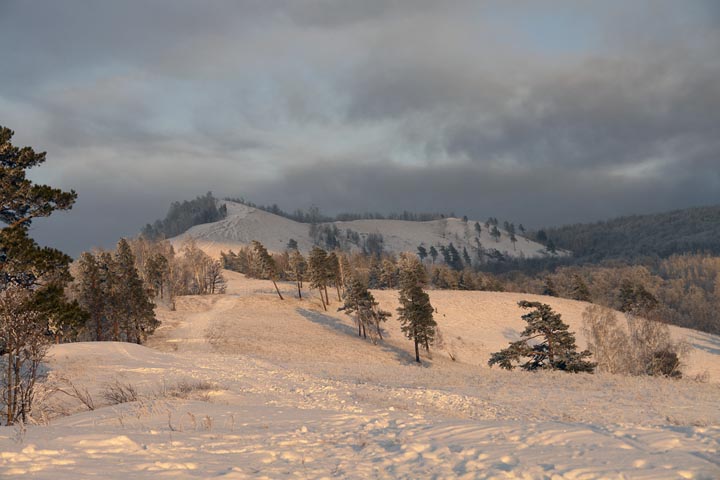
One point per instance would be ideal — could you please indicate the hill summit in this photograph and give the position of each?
(243, 224)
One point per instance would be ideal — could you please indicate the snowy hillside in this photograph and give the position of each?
(245, 385)
(244, 224)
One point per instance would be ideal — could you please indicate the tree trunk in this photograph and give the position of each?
(327, 299)
(322, 299)
(299, 292)
(278, 290)
(10, 384)
(417, 351)
(338, 292)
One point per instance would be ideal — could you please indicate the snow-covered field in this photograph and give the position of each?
(245, 385)
(244, 224)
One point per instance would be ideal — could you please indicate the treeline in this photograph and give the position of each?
(693, 230)
(686, 287)
(119, 289)
(313, 214)
(183, 216)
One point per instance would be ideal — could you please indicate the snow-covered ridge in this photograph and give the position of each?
(244, 224)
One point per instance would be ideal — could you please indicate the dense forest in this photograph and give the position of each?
(183, 216)
(661, 235)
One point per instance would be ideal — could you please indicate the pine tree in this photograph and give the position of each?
(415, 312)
(388, 274)
(292, 245)
(478, 229)
(332, 266)
(433, 253)
(549, 288)
(131, 302)
(466, 257)
(91, 293)
(580, 289)
(554, 346)
(422, 252)
(368, 315)
(265, 265)
(495, 233)
(317, 271)
(157, 272)
(298, 267)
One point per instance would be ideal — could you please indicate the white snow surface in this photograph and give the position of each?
(244, 224)
(291, 392)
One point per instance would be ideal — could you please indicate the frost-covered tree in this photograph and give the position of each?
(360, 302)
(298, 267)
(553, 348)
(332, 270)
(132, 303)
(415, 312)
(317, 272)
(388, 274)
(23, 347)
(264, 265)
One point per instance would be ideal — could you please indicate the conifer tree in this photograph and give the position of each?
(466, 257)
(332, 265)
(549, 288)
(495, 233)
(157, 272)
(265, 265)
(132, 306)
(298, 267)
(478, 229)
(554, 346)
(422, 252)
(415, 312)
(433, 253)
(580, 289)
(317, 271)
(91, 293)
(368, 315)
(388, 274)
(513, 239)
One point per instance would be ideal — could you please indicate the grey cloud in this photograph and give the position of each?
(485, 108)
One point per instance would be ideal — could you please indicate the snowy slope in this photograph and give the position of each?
(294, 393)
(244, 224)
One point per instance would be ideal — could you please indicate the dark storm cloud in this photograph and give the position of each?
(543, 112)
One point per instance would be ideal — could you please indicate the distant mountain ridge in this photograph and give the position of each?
(691, 230)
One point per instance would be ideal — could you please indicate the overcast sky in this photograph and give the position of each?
(539, 112)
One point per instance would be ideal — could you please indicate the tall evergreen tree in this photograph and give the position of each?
(265, 265)
(332, 266)
(554, 346)
(433, 253)
(368, 315)
(422, 252)
(579, 289)
(132, 304)
(317, 272)
(415, 312)
(298, 267)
